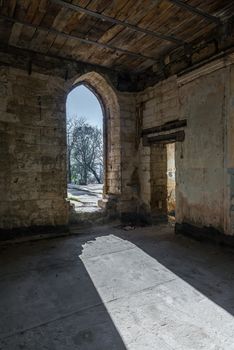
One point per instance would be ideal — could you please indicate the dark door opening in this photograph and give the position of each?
(163, 182)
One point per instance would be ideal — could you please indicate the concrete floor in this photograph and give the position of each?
(114, 289)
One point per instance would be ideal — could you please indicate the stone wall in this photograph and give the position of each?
(33, 147)
(33, 150)
(229, 150)
(119, 109)
(159, 104)
(171, 173)
(200, 159)
(204, 175)
(129, 161)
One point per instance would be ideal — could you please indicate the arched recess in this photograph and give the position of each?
(111, 127)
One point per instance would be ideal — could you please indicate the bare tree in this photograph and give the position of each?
(70, 127)
(87, 151)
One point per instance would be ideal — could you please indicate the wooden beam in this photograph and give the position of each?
(165, 127)
(196, 10)
(80, 9)
(56, 65)
(34, 61)
(177, 136)
(82, 40)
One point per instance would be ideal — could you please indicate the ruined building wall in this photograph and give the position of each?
(129, 161)
(203, 175)
(200, 159)
(119, 109)
(33, 147)
(229, 151)
(158, 105)
(33, 150)
(171, 184)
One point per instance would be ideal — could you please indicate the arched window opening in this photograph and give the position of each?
(85, 163)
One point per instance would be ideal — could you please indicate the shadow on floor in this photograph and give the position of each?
(110, 289)
(209, 268)
(48, 300)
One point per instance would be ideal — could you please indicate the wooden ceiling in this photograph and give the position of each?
(125, 35)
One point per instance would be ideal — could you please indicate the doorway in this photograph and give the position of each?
(85, 166)
(163, 181)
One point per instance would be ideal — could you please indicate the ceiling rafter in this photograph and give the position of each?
(80, 9)
(82, 40)
(196, 11)
(32, 54)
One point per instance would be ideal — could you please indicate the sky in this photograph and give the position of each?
(81, 102)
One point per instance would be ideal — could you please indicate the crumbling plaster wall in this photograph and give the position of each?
(204, 161)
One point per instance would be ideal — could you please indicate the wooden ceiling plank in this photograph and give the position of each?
(46, 43)
(15, 33)
(5, 31)
(114, 8)
(8, 7)
(18, 57)
(110, 34)
(196, 10)
(12, 6)
(74, 22)
(32, 10)
(50, 15)
(61, 19)
(37, 42)
(26, 36)
(116, 21)
(165, 15)
(67, 36)
(42, 9)
(99, 5)
(57, 45)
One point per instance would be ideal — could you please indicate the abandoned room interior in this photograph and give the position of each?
(153, 267)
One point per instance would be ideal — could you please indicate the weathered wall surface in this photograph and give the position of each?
(200, 159)
(129, 161)
(204, 161)
(33, 150)
(158, 179)
(229, 151)
(171, 172)
(119, 108)
(33, 147)
(159, 105)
